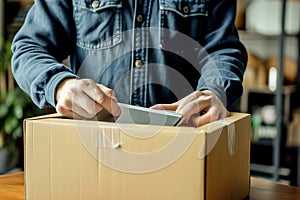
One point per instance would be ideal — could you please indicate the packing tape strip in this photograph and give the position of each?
(231, 134)
(212, 139)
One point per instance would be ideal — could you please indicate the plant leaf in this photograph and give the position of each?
(17, 132)
(18, 111)
(3, 110)
(10, 124)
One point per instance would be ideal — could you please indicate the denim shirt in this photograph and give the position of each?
(148, 51)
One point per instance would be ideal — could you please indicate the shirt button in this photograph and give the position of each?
(186, 9)
(138, 63)
(139, 18)
(95, 4)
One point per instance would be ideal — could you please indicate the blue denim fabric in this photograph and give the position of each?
(180, 45)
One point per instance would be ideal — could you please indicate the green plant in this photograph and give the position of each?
(13, 111)
(15, 105)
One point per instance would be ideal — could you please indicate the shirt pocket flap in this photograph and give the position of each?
(98, 5)
(186, 8)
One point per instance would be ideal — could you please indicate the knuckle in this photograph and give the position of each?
(60, 109)
(194, 105)
(110, 92)
(68, 94)
(203, 95)
(101, 99)
(197, 93)
(86, 82)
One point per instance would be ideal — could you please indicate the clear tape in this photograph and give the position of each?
(231, 134)
(212, 139)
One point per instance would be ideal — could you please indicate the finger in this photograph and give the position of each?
(85, 105)
(97, 94)
(68, 113)
(78, 96)
(112, 107)
(194, 107)
(194, 96)
(78, 101)
(210, 116)
(172, 106)
(185, 100)
(85, 112)
(111, 100)
(73, 95)
(108, 102)
(75, 100)
(200, 120)
(109, 92)
(63, 111)
(69, 108)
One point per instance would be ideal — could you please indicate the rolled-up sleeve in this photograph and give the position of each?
(223, 74)
(40, 46)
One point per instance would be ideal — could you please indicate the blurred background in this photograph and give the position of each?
(15, 105)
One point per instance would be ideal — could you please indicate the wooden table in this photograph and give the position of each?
(12, 188)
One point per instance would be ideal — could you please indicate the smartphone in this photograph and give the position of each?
(140, 115)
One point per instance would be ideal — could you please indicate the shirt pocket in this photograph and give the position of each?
(98, 23)
(189, 17)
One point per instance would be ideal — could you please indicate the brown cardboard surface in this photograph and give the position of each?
(73, 159)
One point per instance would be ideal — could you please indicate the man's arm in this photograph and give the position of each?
(220, 84)
(223, 74)
(44, 41)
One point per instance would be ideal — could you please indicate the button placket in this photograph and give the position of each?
(140, 55)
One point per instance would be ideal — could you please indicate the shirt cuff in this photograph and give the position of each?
(53, 83)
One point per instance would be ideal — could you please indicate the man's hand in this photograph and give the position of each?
(83, 98)
(198, 108)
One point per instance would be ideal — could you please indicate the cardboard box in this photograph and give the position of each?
(77, 159)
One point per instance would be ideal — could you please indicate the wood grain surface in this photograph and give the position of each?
(12, 188)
